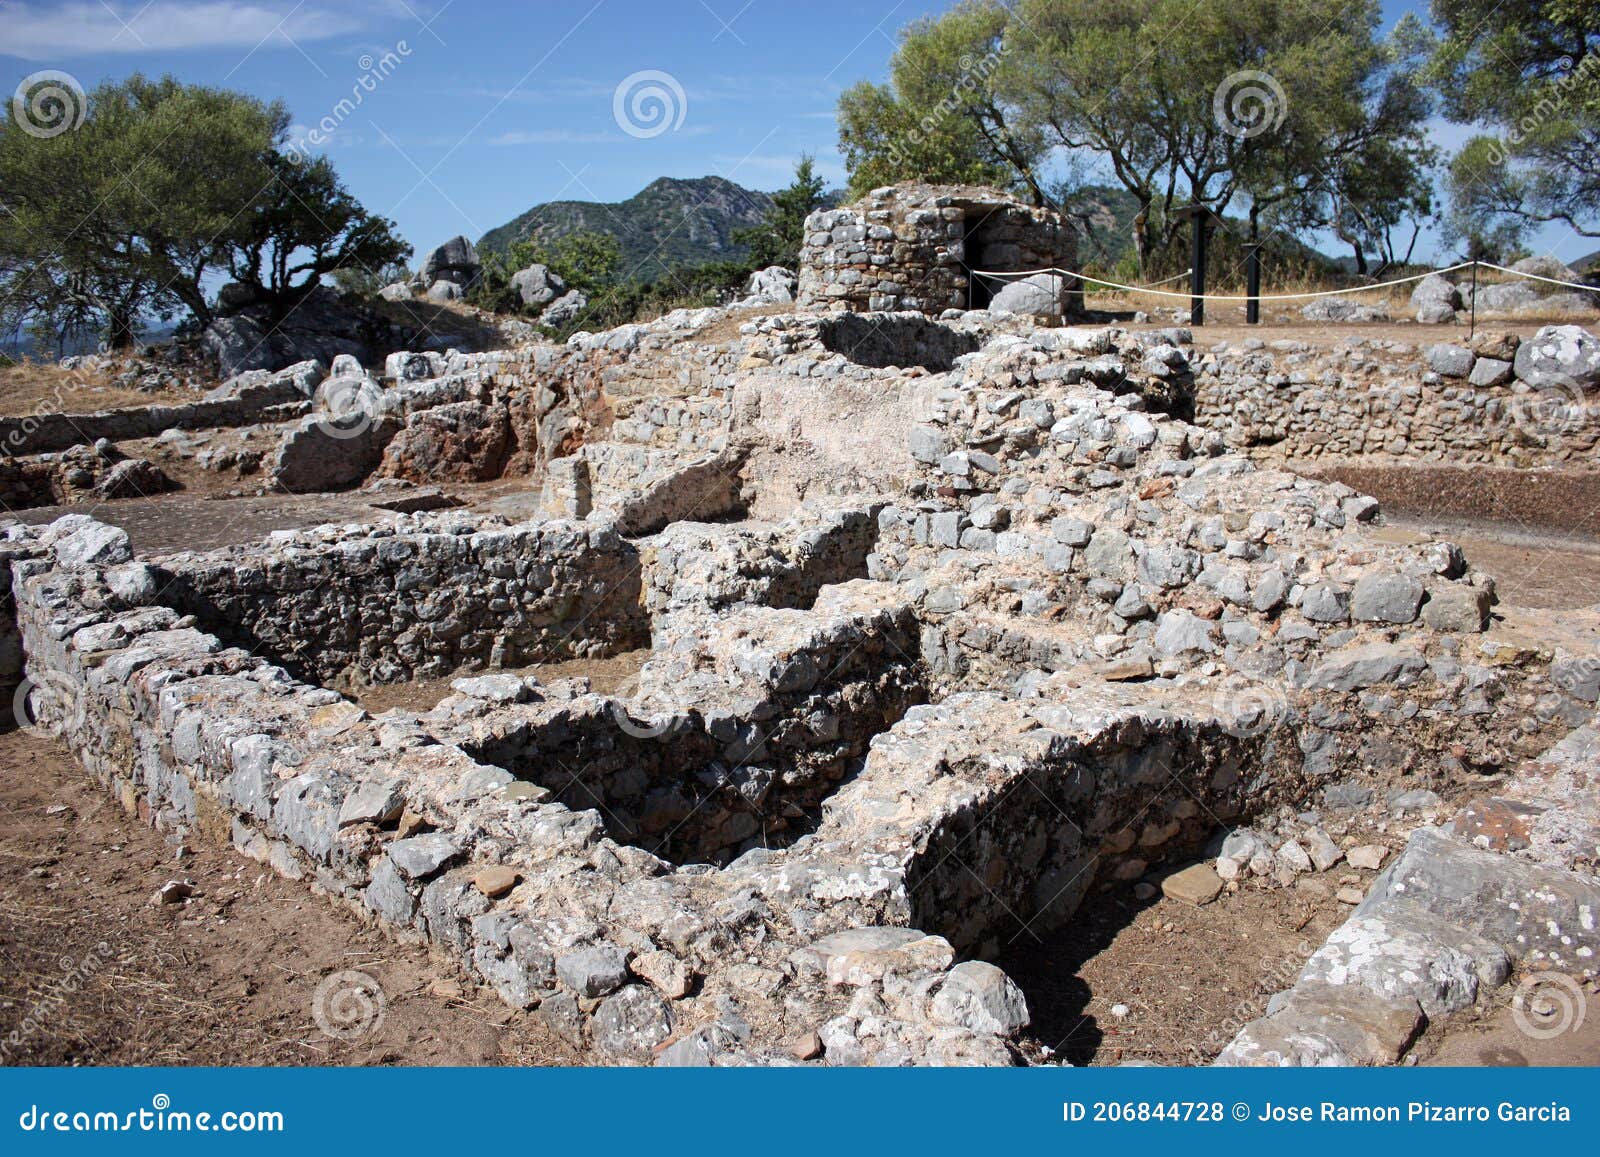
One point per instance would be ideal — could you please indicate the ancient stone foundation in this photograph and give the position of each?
(950, 627)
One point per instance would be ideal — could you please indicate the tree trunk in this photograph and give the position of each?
(119, 330)
(1141, 239)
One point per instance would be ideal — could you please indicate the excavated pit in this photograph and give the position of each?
(895, 339)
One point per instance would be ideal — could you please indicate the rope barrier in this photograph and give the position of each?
(1087, 280)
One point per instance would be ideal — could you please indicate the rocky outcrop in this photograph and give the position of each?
(319, 327)
(455, 262)
(537, 286)
(460, 442)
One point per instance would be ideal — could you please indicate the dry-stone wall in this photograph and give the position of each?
(911, 247)
(999, 586)
(421, 599)
(1500, 400)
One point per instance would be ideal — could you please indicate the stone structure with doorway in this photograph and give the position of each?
(915, 247)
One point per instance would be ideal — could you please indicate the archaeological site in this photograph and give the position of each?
(826, 678)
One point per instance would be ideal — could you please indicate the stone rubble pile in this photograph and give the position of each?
(1441, 299)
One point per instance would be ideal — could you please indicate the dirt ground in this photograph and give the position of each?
(1545, 572)
(94, 974)
(167, 523)
(1225, 321)
(605, 676)
(1164, 982)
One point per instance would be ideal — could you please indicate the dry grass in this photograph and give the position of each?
(45, 388)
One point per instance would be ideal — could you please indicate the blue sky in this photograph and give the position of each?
(473, 110)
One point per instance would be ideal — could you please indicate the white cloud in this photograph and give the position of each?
(86, 27)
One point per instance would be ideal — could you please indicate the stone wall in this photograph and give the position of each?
(39, 433)
(421, 600)
(910, 247)
(1449, 404)
(730, 745)
(617, 950)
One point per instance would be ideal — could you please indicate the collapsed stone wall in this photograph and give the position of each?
(1054, 526)
(1501, 401)
(425, 598)
(910, 247)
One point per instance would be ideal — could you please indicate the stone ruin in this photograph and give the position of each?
(950, 625)
(916, 247)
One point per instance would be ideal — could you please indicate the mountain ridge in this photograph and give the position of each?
(671, 223)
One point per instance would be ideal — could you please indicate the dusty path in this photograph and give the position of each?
(94, 974)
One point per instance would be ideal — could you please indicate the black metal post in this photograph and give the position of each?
(1197, 267)
(1472, 313)
(1252, 276)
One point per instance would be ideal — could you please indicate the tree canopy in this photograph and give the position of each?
(777, 240)
(1295, 108)
(1529, 70)
(163, 187)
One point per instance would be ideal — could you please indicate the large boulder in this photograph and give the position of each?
(537, 286)
(565, 309)
(320, 327)
(775, 284)
(1040, 295)
(443, 290)
(455, 261)
(1558, 356)
(237, 344)
(1507, 298)
(331, 451)
(459, 442)
(1546, 266)
(1436, 299)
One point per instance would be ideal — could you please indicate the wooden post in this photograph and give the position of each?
(1197, 265)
